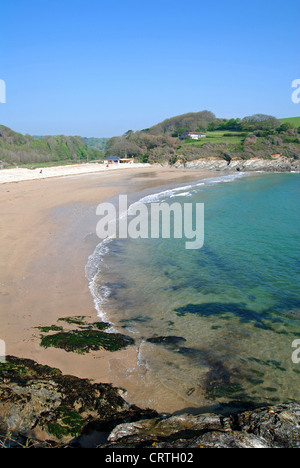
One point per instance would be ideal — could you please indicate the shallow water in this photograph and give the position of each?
(214, 326)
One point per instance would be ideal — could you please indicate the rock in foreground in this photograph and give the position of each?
(39, 402)
(271, 427)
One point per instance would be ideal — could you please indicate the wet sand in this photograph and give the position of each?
(47, 232)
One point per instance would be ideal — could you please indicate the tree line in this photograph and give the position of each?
(16, 148)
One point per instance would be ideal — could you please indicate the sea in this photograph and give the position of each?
(217, 326)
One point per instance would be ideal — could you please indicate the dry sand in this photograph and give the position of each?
(20, 174)
(47, 233)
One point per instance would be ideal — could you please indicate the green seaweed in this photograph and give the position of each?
(87, 337)
(83, 341)
(276, 365)
(270, 389)
(69, 422)
(76, 320)
(226, 390)
(100, 325)
(254, 381)
(48, 329)
(257, 372)
(23, 370)
(8, 367)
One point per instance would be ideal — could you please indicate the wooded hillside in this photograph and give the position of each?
(257, 135)
(16, 148)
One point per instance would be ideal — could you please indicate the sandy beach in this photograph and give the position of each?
(47, 232)
(22, 174)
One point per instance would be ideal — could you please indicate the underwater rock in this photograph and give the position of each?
(167, 340)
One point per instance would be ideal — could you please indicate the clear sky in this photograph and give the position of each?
(102, 67)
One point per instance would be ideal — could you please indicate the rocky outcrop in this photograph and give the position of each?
(272, 427)
(38, 401)
(51, 409)
(275, 164)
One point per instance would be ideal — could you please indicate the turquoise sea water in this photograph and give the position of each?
(214, 326)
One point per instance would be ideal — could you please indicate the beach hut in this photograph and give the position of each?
(118, 160)
(112, 160)
(126, 161)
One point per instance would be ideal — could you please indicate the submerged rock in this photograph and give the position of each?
(167, 340)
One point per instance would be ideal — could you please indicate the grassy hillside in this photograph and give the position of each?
(295, 121)
(255, 144)
(219, 137)
(18, 149)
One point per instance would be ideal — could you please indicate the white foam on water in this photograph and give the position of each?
(96, 262)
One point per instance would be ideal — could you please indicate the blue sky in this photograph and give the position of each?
(100, 68)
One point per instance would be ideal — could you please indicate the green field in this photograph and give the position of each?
(219, 137)
(295, 121)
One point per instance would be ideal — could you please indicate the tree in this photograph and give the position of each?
(259, 122)
(128, 133)
(189, 122)
(285, 127)
(121, 146)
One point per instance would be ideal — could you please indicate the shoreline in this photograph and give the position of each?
(210, 163)
(139, 380)
(47, 237)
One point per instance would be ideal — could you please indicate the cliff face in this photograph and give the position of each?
(51, 409)
(278, 164)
